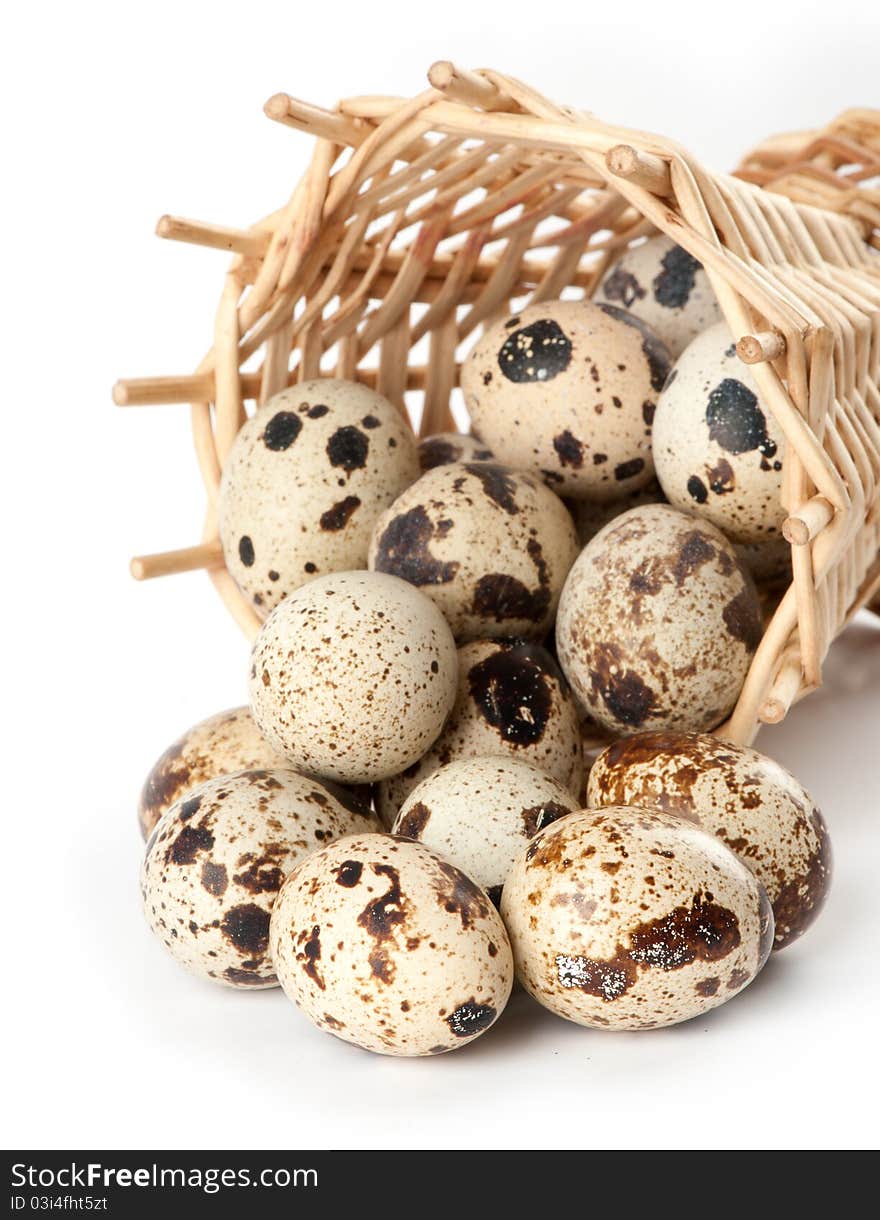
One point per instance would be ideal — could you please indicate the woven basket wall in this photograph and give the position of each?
(420, 221)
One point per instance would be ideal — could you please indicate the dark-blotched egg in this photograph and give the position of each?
(218, 857)
(757, 807)
(489, 545)
(511, 700)
(717, 450)
(227, 742)
(658, 623)
(630, 919)
(304, 482)
(382, 943)
(568, 389)
(666, 287)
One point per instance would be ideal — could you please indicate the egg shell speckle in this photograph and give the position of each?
(489, 545)
(478, 813)
(666, 287)
(443, 448)
(512, 700)
(304, 482)
(658, 623)
(218, 857)
(226, 742)
(568, 389)
(353, 676)
(628, 919)
(385, 945)
(751, 803)
(717, 451)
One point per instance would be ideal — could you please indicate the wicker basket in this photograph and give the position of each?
(420, 221)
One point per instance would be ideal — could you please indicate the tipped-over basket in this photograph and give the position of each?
(420, 221)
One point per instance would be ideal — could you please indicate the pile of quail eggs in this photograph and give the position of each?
(407, 819)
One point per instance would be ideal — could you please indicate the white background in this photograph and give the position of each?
(112, 115)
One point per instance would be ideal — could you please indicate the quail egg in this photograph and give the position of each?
(218, 857)
(666, 287)
(478, 813)
(229, 741)
(567, 389)
(304, 482)
(658, 623)
(353, 676)
(489, 545)
(755, 806)
(629, 919)
(511, 700)
(446, 447)
(717, 450)
(385, 945)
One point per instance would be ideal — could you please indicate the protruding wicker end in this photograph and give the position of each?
(811, 518)
(168, 563)
(120, 394)
(755, 349)
(328, 124)
(644, 169)
(151, 391)
(782, 693)
(461, 85)
(217, 237)
(276, 107)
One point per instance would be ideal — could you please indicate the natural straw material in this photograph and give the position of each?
(419, 222)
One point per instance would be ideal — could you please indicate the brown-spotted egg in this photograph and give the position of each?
(304, 482)
(666, 287)
(512, 700)
(629, 919)
(226, 742)
(489, 545)
(658, 623)
(353, 676)
(478, 813)
(717, 450)
(218, 857)
(568, 389)
(385, 945)
(755, 806)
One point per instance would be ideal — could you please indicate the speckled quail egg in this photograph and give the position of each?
(218, 857)
(353, 676)
(304, 482)
(446, 447)
(666, 287)
(511, 700)
(489, 545)
(568, 389)
(227, 742)
(383, 944)
(717, 451)
(629, 919)
(757, 807)
(658, 623)
(590, 517)
(478, 813)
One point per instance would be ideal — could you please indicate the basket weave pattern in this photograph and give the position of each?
(420, 221)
